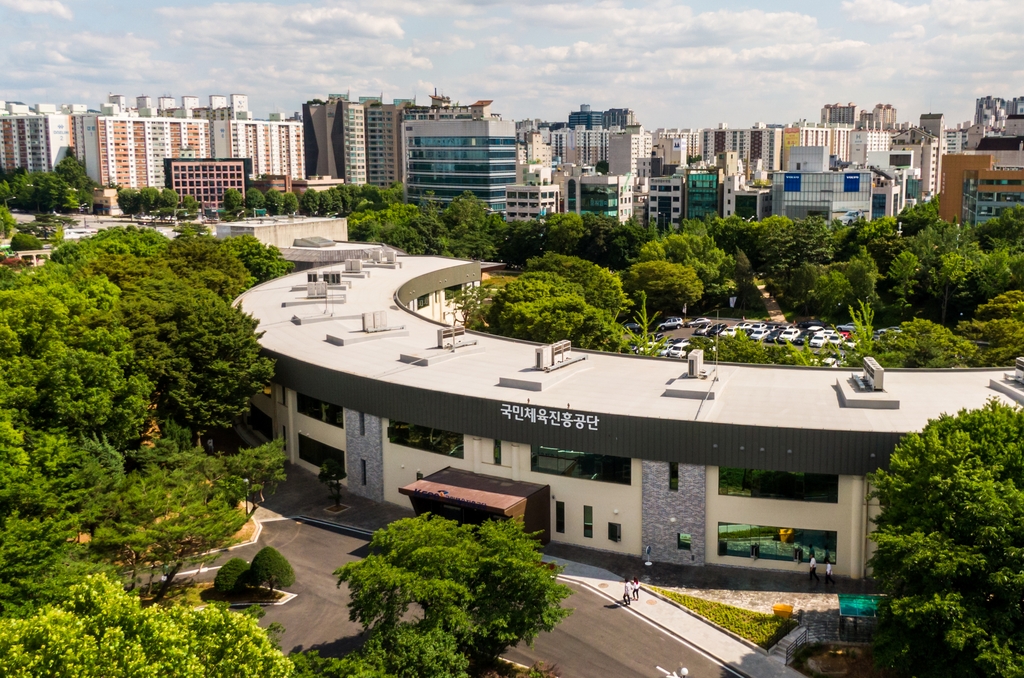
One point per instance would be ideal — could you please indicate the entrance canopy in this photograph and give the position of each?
(473, 497)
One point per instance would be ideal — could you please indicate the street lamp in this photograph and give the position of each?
(246, 496)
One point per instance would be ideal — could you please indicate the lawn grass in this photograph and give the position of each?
(761, 629)
(202, 593)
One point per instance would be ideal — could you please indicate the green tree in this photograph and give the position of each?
(269, 568)
(643, 341)
(468, 306)
(309, 203)
(331, 474)
(903, 275)
(950, 274)
(922, 343)
(73, 173)
(100, 630)
(601, 288)
(668, 286)
(289, 203)
(833, 293)
(601, 167)
(564, 232)
(273, 201)
(262, 466)
(263, 262)
(697, 250)
(254, 200)
(481, 585)
(168, 199)
(949, 556)
(129, 201)
(233, 202)
(231, 576)
(7, 222)
(23, 241)
(149, 199)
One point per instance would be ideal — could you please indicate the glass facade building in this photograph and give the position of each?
(602, 467)
(702, 194)
(775, 543)
(446, 158)
(741, 482)
(989, 194)
(829, 195)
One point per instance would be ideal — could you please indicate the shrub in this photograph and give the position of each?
(231, 576)
(25, 241)
(763, 629)
(271, 569)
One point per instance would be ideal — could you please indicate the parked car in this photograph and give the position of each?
(818, 340)
(631, 326)
(672, 341)
(678, 350)
(715, 329)
(729, 331)
(758, 334)
(808, 324)
(788, 334)
(849, 327)
(697, 321)
(670, 324)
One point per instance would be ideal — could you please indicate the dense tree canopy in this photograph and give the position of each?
(950, 555)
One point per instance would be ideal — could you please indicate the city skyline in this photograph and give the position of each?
(692, 65)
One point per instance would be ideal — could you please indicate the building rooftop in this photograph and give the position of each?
(759, 395)
(1001, 144)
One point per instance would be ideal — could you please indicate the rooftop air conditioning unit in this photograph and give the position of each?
(375, 256)
(874, 374)
(694, 363)
(353, 266)
(390, 257)
(375, 321)
(1018, 372)
(332, 277)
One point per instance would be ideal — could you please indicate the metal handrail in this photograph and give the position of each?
(797, 643)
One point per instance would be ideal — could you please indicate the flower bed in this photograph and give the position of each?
(762, 629)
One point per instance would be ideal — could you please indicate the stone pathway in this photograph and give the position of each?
(774, 310)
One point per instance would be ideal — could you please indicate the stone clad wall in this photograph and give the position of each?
(686, 505)
(366, 444)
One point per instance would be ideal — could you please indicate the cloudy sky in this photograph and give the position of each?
(680, 64)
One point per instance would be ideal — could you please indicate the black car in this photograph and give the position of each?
(804, 324)
(631, 326)
(716, 329)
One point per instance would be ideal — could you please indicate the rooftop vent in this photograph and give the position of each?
(377, 321)
(313, 241)
(556, 356)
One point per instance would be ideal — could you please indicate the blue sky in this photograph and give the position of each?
(677, 64)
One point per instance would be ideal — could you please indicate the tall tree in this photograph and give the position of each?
(668, 286)
(949, 552)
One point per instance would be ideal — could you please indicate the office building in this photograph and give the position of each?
(206, 179)
(531, 201)
(830, 195)
(609, 195)
(808, 159)
(954, 167)
(618, 118)
(688, 194)
(990, 192)
(839, 113)
(448, 157)
(626, 147)
(36, 139)
(129, 151)
(675, 146)
(758, 143)
(1007, 151)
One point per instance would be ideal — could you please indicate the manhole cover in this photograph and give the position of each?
(602, 586)
(652, 602)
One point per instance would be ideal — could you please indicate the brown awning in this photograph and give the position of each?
(474, 491)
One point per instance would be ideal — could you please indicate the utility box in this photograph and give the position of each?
(377, 320)
(543, 356)
(353, 266)
(874, 374)
(1018, 372)
(694, 363)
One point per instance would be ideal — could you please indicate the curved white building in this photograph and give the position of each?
(760, 467)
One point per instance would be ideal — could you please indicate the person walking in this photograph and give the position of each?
(628, 593)
(814, 569)
(828, 572)
(636, 589)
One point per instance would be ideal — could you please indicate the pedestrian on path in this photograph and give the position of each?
(828, 572)
(628, 593)
(636, 589)
(814, 569)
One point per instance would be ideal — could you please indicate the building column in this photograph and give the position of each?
(364, 447)
(516, 450)
(858, 527)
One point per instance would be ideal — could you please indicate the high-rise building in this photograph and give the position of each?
(335, 139)
(929, 156)
(580, 146)
(882, 117)
(759, 142)
(935, 124)
(618, 117)
(990, 111)
(625, 148)
(839, 113)
(165, 103)
(865, 141)
(218, 101)
(448, 156)
(675, 146)
(189, 102)
(143, 101)
(129, 151)
(586, 117)
(274, 145)
(35, 140)
(833, 136)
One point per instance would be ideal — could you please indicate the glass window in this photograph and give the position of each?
(588, 522)
(603, 467)
(560, 516)
(318, 409)
(316, 453)
(261, 421)
(740, 482)
(615, 531)
(775, 543)
(683, 542)
(450, 292)
(423, 302)
(497, 452)
(673, 476)
(425, 438)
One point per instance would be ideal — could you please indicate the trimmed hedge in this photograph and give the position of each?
(762, 629)
(231, 576)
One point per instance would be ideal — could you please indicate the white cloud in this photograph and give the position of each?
(884, 11)
(53, 7)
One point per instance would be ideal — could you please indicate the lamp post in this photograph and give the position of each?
(246, 496)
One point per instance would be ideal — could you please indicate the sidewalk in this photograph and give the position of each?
(702, 636)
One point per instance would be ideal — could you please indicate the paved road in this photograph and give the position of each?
(599, 640)
(318, 618)
(604, 640)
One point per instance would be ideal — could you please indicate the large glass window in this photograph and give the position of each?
(425, 438)
(588, 522)
(739, 482)
(316, 452)
(318, 409)
(261, 421)
(602, 467)
(559, 516)
(775, 543)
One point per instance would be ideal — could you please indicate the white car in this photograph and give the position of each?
(729, 331)
(758, 334)
(849, 327)
(818, 340)
(789, 334)
(678, 350)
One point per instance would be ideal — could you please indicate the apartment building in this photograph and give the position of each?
(609, 195)
(674, 146)
(625, 148)
(757, 143)
(580, 146)
(866, 141)
(839, 113)
(123, 149)
(881, 117)
(34, 139)
(928, 155)
(274, 146)
(833, 136)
